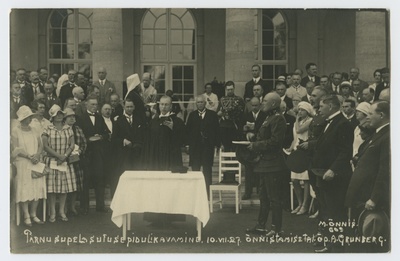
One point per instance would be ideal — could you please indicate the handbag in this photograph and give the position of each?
(36, 175)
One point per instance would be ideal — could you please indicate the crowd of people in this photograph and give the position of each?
(87, 136)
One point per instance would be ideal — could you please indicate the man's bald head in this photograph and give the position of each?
(255, 104)
(146, 78)
(78, 93)
(271, 101)
(385, 95)
(200, 102)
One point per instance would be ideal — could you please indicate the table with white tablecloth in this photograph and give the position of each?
(160, 192)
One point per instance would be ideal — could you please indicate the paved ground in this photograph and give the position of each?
(224, 233)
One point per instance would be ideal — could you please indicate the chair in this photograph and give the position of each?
(227, 162)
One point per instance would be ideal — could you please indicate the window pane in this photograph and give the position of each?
(188, 37)
(268, 37)
(187, 20)
(69, 22)
(148, 36)
(57, 17)
(68, 36)
(66, 68)
(280, 52)
(188, 52)
(177, 87)
(148, 52)
(161, 22)
(177, 72)
(161, 36)
(267, 72)
(188, 72)
(160, 52)
(85, 36)
(55, 51)
(55, 68)
(149, 20)
(178, 11)
(267, 23)
(84, 50)
(176, 52)
(188, 86)
(67, 51)
(279, 70)
(55, 35)
(158, 11)
(176, 37)
(175, 22)
(85, 69)
(267, 53)
(85, 17)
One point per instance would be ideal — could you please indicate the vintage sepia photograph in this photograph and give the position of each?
(200, 130)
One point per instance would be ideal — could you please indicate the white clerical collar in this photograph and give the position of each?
(381, 127)
(333, 115)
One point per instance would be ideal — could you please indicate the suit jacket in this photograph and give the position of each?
(27, 93)
(15, 106)
(202, 131)
(248, 89)
(333, 150)
(80, 108)
(371, 177)
(305, 80)
(269, 144)
(305, 98)
(66, 92)
(289, 103)
(90, 130)
(117, 111)
(380, 87)
(258, 122)
(105, 92)
(354, 122)
(128, 157)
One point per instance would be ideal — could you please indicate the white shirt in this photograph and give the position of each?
(128, 118)
(256, 80)
(255, 114)
(102, 82)
(202, 113)
(92, 117)
(108, 123)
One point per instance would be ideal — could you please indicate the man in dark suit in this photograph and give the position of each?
(354, 75)
(357, 90)
(133, 94)
(96, 133)
(202, 130)
(311, 69)
(16, 100)
(332, 155)
(369, 186)
(309, 87)
(128, 138)
(385, 84)
(349, 112)
(248, 89)
(30, 91)
(271, 167)
(254, 119)
(280, 89)
(51, 97)
(105, 86)
(66, 89)
(116, 107)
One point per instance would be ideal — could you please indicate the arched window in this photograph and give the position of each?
(70, 41)
(271, 43)
(168, 50)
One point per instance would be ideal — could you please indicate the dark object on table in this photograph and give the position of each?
(179, 169)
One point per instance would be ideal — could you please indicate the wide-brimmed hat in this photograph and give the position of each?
(54, 110)
(373, 223)
(307, 107)
(345, 84)
(24, 112)
(68, 112)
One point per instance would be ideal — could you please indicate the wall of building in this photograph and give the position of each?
(24, 42)
(214, 46)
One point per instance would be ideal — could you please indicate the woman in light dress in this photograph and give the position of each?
(26, 150)
(300, 134)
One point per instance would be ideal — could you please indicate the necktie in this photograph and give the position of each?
(201, 114)
(129, 120)
(102, 82)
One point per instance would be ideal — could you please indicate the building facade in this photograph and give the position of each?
(186, 48)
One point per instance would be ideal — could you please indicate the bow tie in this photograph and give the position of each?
(92, 114)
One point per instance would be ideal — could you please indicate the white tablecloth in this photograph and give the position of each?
(160, 192)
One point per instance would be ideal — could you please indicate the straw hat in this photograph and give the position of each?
(307, 107)
(23, 113)
(54, 110)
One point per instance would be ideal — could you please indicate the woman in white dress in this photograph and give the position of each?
(300, 134)
(26, 150)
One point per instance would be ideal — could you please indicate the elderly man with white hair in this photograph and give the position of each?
(79, 96)
(149, 93)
